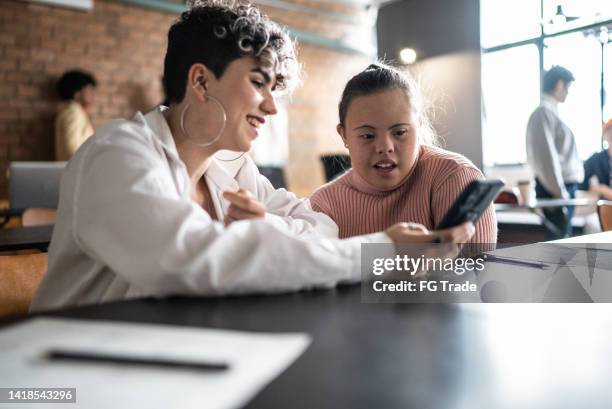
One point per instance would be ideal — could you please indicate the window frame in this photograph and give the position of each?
(539, 43)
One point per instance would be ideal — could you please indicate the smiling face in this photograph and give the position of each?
(246, 92)
(381, 133)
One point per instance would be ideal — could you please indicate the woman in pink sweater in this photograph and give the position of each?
(397, 174)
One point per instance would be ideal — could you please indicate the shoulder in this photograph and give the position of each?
(597, 158)
(71, 112)
(542, 113)
(440, 161)
(123, 132)
(327, 195)
(121, 144)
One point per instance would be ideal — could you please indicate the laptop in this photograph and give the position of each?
(34, 184)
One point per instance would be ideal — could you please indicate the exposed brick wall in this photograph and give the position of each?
(124, 46)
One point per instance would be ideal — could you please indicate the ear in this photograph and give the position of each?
(197, 80)
(77, 95)
(340, 130)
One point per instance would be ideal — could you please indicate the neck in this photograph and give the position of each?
(197, 158)
(553, 98)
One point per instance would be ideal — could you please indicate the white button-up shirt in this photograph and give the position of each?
(127, 227)
(551, 149)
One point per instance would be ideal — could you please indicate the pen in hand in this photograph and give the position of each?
(104, 357)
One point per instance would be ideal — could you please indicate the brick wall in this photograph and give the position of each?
(124, 46)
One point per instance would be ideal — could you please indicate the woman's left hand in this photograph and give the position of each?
(242, 206)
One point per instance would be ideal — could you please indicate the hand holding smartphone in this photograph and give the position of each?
(472, 203)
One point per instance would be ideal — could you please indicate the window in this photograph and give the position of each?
(510, 92)
(607, 69)
(582, 110)
(519, 41)
(498, 21)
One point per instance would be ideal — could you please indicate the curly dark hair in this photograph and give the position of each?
(217, 32)
(73, 81)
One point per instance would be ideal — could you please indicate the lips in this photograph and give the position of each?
(255, 121)
(385, 166)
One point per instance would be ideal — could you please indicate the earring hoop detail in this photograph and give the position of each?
(231, 160)
(216, 138)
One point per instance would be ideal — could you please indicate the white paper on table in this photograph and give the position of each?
(255, 359)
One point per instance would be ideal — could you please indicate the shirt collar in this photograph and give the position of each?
(222, 176)
(158, 124)
(549, 102)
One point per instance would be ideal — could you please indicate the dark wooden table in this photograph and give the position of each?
(536, 206)
(25, 238)
(409, 355)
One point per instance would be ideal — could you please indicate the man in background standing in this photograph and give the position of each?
(551, 151)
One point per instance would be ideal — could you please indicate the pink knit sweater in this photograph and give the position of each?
(437, 179)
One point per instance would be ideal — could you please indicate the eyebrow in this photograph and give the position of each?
(391, 127)
(400, 124)
(266, 76)
(364, 126)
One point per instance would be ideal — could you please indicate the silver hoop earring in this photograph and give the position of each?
(231, 160)
(216, 138)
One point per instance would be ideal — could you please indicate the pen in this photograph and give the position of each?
(533, 264)
(103, 357)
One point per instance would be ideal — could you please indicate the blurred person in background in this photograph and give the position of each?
(551, 151)
(598, 169)
(77, 90)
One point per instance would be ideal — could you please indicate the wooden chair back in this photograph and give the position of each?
(20, 276)
(605, 216)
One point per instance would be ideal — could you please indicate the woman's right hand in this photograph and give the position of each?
(458, 234)
(406, 233)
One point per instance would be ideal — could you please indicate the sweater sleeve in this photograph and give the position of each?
(445, 194)
(320, 203)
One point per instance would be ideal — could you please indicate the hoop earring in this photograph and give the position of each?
(216, 138)
(231, 160)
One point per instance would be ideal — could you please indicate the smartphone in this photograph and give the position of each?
(472, 203)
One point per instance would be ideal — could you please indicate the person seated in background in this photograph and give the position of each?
(397, 174)
(77, 90)
(146, 210)
(597, 169)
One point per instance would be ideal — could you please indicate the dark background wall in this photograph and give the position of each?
(446, 36)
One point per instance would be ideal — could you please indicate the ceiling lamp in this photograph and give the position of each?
(560, 17)
(408, 56)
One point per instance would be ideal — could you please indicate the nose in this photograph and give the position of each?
(384, 144)
(268, 105)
